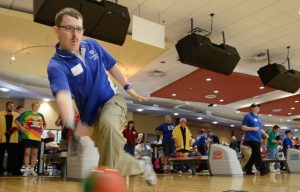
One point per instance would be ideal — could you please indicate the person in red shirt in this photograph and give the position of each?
(131, 135)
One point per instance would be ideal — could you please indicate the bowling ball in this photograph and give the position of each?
(186, 154)
(179, 154)
(104, 180)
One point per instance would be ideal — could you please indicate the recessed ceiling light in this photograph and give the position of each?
(13, 58)
(270, 115)
(140, 110)
(4, 89)
(284, 127)
(289, 113)
(46, 99)
(187, 103)
(276, 110)
(288, 120)
(208, 79)
(237, 111)
(296, 130)
(296, 101)
(176, 114)
(173, 94)
(231, 125)
(199, 118)
(210, 96)
(215, 122)
(221, 100)
(191, 88)
(261, 87)
(216, 91)
(292, 108)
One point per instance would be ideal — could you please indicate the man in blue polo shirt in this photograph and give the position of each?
(252, 125)
(78, 70)
(168, 144)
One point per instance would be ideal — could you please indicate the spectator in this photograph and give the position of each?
(165, 129)
(9, 139)
(201, 142)
(234, 144)
(131, 135)
(272, 148)
(31, 123)
(287, 142)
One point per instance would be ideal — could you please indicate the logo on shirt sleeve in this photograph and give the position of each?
(77, 70)
(93, 55)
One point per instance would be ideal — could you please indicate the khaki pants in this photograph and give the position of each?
(109, 139)
(246, 151)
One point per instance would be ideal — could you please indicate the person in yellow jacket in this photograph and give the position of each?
(183, 138)
(9, 139)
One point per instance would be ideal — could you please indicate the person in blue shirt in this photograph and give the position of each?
(252, 125)
(78, 70)
(201, 142)
(287, 142)
(168, 144)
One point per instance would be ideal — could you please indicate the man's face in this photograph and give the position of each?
(69, 33)
(182, 123)
(20, 110)
(168, 119)
(255, 109)
(35, 107)
(10, 107)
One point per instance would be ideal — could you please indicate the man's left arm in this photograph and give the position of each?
(116, 73)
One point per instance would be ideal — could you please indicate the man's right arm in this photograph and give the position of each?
(65, 106)
(246, 128)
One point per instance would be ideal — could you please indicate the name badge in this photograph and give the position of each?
(77, 70)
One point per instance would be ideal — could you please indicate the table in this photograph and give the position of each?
(268, 161)
(192, 160)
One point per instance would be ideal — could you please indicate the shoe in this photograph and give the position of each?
(179, 172)
(249, 173)
(189, 171)
(148, 172)
(33, 173)
(25, 174)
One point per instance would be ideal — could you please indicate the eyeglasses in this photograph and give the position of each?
(72, 29)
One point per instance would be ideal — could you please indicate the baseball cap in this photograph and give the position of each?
(254, 105)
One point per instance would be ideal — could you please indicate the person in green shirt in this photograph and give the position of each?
(272, 148)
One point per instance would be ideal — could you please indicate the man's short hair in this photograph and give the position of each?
(9, 102)
(182, 119)
(276, 127)
(287, 132)
(67, 11)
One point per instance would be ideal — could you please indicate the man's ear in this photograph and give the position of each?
(55, 29)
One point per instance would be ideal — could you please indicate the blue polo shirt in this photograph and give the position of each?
(85, 77)
(252, 120)
(166, 129)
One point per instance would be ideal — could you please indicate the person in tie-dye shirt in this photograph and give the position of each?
(31, 123)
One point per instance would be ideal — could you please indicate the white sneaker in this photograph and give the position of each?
(190, 171)
(25, 174)
(33, 173)
(179, 172)
(148, 172)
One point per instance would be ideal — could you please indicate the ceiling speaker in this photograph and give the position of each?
(103, 20)
(198, 51)
(276, 76)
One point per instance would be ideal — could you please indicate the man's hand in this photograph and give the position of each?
(136, 96)
(254, 128)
